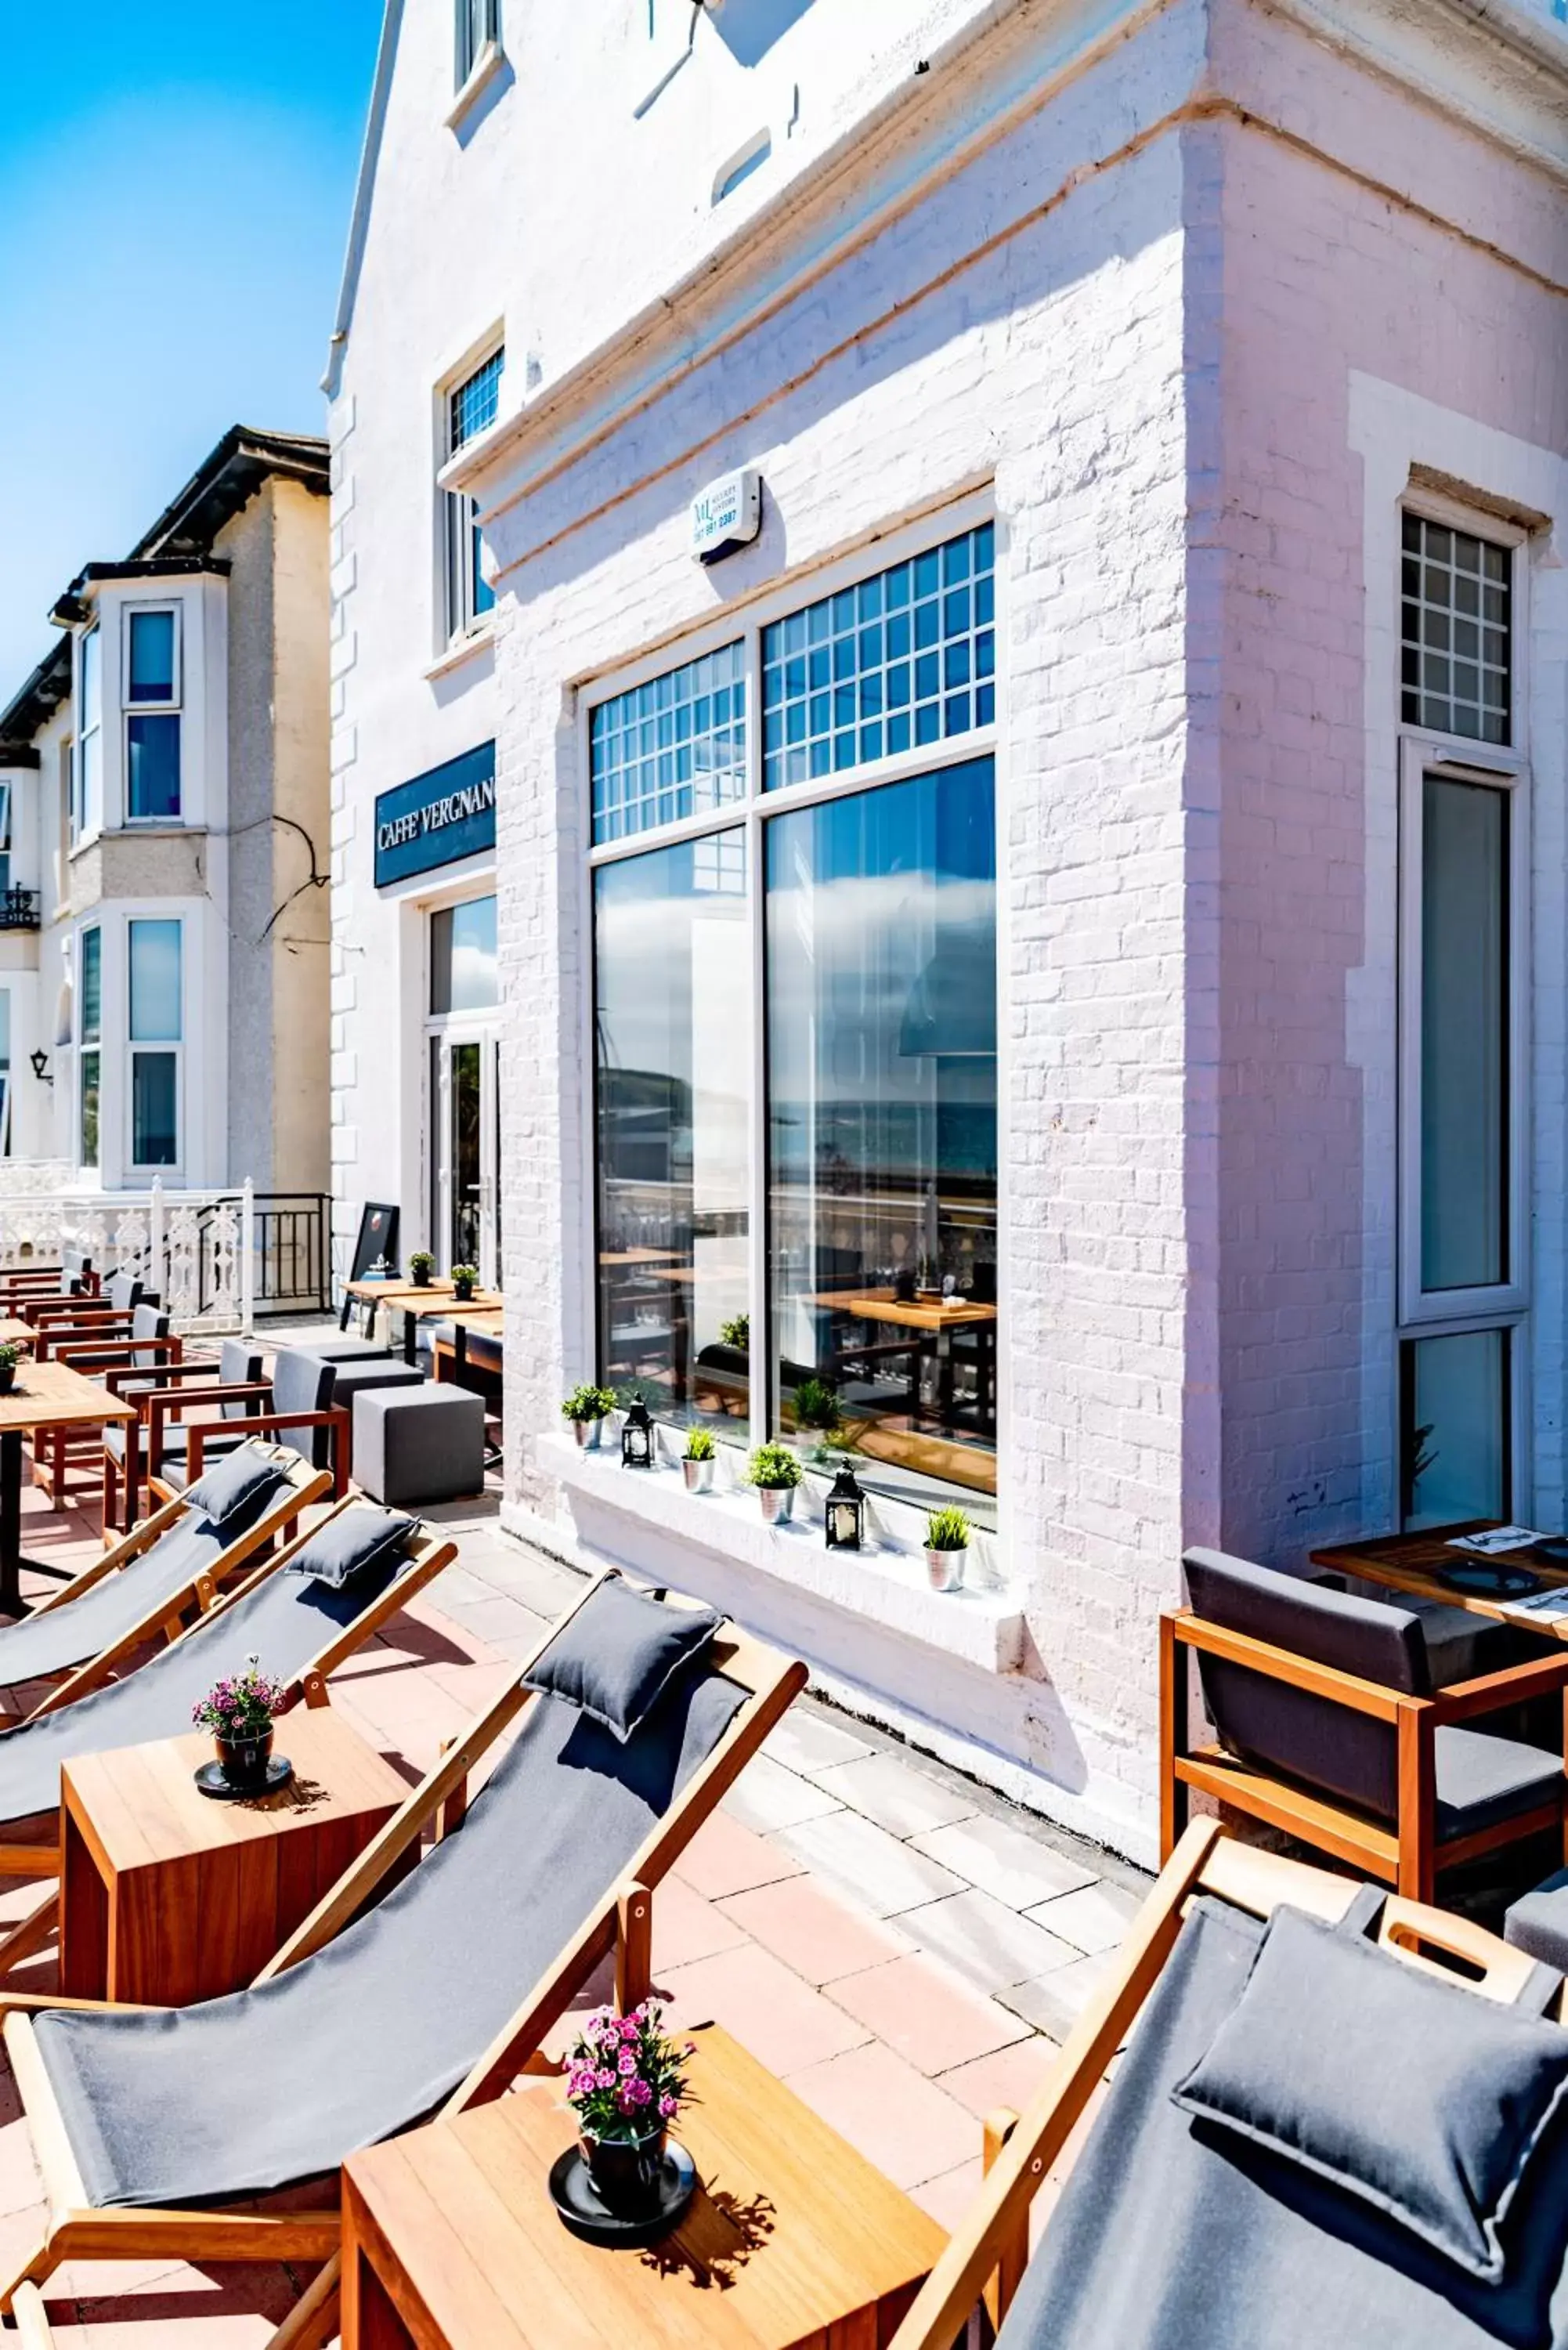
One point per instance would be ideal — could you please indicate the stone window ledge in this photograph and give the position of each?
(487, 65)
(462, 648)
(885, 1584)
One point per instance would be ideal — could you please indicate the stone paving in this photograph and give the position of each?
(900, 1945)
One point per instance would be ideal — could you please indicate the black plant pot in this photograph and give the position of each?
(463, 1293)
(420, 1280)
(7, 1378)
(243, 1761)
(626, 2172)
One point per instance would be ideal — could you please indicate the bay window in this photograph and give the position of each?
(795, 1028)
(152, 716)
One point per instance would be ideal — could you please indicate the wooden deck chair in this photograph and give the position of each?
(1170, 2230)
(176, 1566)
(300, 1626)
(366, 2024)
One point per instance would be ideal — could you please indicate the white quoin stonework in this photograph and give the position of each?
(1180, 293)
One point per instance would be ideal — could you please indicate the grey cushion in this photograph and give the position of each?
(239, 1365)
(147, 1322)
(122, 1293)
(303, 1383)
(618, 1653)
(351, 1378)
(331, 1347)
(1411, 2094)
(1537, 1922)
(419, 1444)
(1172, 2236)
(76, 1630)
(235, 1484)
(1482, 1780)
(347, 1544)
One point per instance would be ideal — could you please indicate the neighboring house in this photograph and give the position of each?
(1056, 932)
(163, 936)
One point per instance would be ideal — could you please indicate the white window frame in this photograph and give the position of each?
(749, 813)
(457, 569)
(1506, 1305)
(470, 52)
(85, 825)
(171, 707)
(135, 1046)
(83, 1043)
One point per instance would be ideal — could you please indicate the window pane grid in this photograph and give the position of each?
(1457, 647)
(671, 748)
(473, 406)
(899, 661)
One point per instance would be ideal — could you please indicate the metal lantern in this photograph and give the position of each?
(637, 1438)
(846, 1512)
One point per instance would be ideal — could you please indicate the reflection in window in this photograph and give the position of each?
(673, 1068)
(463, 971)
(671, 748)
(153, 767)
(90, 1108)
(154, 981)
(154, 1110)
(1455, 1440)
(151, 658)
(1456, 652)
(881, 1052)
(1464, 1034)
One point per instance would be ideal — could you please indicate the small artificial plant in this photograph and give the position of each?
(10, 1356)
(736, 1332)
(422, 1264)
(773, 1465)
(817, 1405)
(587, 1402)
(624, 2079)
(240, 1705)
(947, 1529)
(468, 1273)
(698, 1444)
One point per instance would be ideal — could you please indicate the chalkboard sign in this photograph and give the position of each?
(378, 1238)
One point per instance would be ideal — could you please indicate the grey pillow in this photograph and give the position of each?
(348, 1544)
(618, 1653)
(1413, 2095)
(235, 1484)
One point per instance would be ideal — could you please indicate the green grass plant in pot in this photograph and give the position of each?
(587, 1408)
(697, 1460)
(947, 1544)
(776, 1471)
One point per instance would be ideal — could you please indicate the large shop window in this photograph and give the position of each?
(156, 1019)
(674, 1088)
(796, 1028)
(1464, 1292)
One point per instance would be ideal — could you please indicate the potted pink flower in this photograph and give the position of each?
(238, 1711)
(624, 2082)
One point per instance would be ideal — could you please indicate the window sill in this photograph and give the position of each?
(884, 1585)
(488, 65)
(478, 641)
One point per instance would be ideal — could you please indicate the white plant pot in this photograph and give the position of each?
(945, 1568)
(778, 1504)
(588, 1433)
(699, 1475)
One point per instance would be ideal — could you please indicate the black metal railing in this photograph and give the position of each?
(19, 910)
(289, 1251)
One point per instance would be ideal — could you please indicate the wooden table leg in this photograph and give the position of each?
(11, 1600)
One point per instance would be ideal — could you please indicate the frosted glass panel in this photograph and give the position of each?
(155, 981)
(1464, 1035)
(1456, 1429)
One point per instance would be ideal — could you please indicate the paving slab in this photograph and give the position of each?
(990, 1944)
(1004, 1861)
(872, 1869)
(898, 1797)
(767, 1796)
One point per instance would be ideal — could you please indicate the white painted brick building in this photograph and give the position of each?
(1174, 322)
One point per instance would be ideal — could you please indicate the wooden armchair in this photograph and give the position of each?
(147, 1349)
(126, 1454)
(1331, 1729)
(294, 1406)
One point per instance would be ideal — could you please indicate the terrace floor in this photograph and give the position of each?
(900, 1945)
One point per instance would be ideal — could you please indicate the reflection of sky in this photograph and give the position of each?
(473, 960)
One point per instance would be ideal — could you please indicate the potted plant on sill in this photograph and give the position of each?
(776, 1471)
(815, 1405)
(697, 1461)
(463, 1278)
(9, 1358)
(736, 1332)
(238, 1710)
(947, 1539)
(422, 1264)
(624, 2082)
(587, 1408)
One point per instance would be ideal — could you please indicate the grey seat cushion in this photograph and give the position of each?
(72, 1633)
(374, 2030)
(303, 1383)
(1482, 1780)
(1537, 1922)
(1169, 2237)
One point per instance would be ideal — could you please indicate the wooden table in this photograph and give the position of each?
(793, 2241)
(167, 1896)
(932, 1319)
(45, 1395)
(1408, 1563)
(415, 1300)
(484, 1313)
(15, 1334)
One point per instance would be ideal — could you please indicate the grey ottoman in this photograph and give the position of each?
(330, 1347)
(1537, 1922)
(419, 1444)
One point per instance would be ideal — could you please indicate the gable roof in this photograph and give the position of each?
(359, 219)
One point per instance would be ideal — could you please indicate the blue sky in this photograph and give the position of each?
(175, 182)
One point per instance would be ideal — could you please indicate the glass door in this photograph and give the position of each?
(464, 1224)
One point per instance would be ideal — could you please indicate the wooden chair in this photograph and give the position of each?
(72, 1650)
(986, 2260)
(297, 1397)
(1331, 1725)
(300, 1645)
(126, 1454)
(619, 1921)
(149, 1348)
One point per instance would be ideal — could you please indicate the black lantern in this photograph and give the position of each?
(846, 1512)
(637, 1438)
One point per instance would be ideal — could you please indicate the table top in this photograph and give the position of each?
(425, 1308)
(799, 2232)
(15, 1334)
(639, 1256)
(51, 1394)
(476, 1318)
(909, 1313)
(1410, 1563)
(140, 1808)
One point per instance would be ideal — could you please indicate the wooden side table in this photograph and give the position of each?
(168, 1896)
(793, 2241)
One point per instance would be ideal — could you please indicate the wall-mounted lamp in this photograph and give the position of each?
(40, 1061)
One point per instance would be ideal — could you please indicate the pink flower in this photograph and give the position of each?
(626, 2064)
(604, 2078)
(668, 2107)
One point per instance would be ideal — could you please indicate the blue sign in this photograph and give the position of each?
(438, 818)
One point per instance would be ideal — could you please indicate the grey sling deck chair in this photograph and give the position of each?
(1314, 2140)
(432, 2001)
(300, 1626)
(173, 1562)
